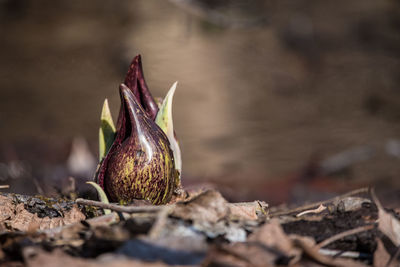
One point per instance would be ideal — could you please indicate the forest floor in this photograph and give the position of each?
(199, 229)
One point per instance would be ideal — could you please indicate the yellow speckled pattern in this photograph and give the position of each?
(140, 163)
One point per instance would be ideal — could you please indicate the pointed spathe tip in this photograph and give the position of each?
(170, 95)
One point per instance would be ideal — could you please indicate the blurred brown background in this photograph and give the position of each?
(277, 100)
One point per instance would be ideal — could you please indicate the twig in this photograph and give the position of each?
(345, 254)
(344, 234)
(5, 186)
(320, 209)
(115, 207)
(309, 206)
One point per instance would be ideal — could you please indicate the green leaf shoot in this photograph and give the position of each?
(102, 195)
(106, 131)
(165, 122)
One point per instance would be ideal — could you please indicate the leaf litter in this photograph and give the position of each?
(199, 229)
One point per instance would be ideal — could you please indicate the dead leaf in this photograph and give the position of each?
(313, 253)
(272, 235)
(388, 224)
(351, 203)
(7, 209)
(381, 256)
(208, 206)
(242, 212)
(265, 247)
(247, 210)
(73, 215)
(26, 221)
(244, 254)
(218, 257)
(35, 257)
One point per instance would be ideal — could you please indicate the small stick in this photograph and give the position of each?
(309, 206)
(142, 209)
(344, 234)
(119, 208)
(345, 254)
(320, 209)
(5, 186)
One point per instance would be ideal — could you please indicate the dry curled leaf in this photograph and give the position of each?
(272, 235)
(381, 256)
(40, 258)
(265, 247)
(27, 221)
(7, 209)
(388, 224)
(247, 210)
(208, 206)
(73, 215)
(24, 220)
(313, 253)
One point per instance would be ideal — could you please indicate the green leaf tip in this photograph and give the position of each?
(102, 195)
(165, 122)
(106, 131)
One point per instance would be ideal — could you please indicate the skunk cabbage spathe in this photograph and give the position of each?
(139, 162)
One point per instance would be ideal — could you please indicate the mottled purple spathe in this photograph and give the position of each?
(140, 163)
(134, 80)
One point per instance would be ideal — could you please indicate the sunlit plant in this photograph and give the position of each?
(140, 158)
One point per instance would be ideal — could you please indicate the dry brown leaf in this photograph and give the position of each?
(313, 253)
(242, 254)
(48, 223)
(381, 256)
(242, 212)
(208, 206)
(388, 224)
(226, 258)
(39, 258)
(26, 221)
(264, 248)
(73, 215)
(351, 203)
(272, 235)
(7, 209)
(71, 231)
(245, 211)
